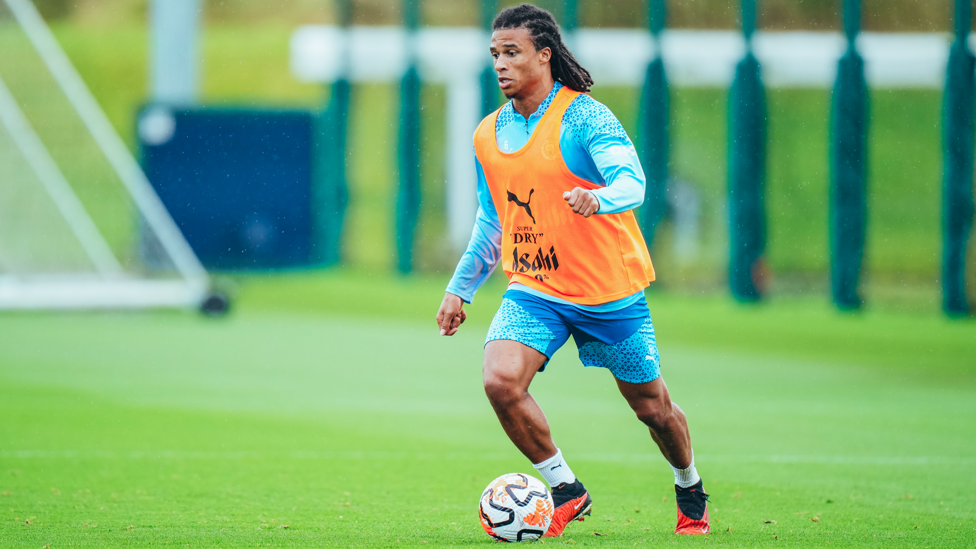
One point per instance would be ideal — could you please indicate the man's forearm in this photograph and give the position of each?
(478, 260)
(626, 193)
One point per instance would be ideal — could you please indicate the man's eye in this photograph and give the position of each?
(511, 53)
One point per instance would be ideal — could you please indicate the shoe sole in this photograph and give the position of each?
(578, 517)
(585, 513)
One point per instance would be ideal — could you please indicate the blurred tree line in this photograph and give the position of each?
(879, 15)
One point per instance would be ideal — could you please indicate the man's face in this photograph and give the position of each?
(517, 63)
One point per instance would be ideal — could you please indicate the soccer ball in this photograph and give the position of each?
(516, 507)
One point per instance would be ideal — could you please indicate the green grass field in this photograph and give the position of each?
(326, 411)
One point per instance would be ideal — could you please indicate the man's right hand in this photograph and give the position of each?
(450, 316)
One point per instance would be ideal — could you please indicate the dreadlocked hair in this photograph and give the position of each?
(545, 34)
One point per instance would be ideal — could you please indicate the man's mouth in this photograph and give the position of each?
(504, 82)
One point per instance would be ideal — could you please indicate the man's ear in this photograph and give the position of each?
(545, 54)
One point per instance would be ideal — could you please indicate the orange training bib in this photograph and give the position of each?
(545, 246)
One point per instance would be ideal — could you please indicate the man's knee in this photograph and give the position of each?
(501, 387)
(508, 370)
(653, 412)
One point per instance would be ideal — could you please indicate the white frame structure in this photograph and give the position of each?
(109, 287)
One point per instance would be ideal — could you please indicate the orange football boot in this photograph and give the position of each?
(692, 503)
(572, 502)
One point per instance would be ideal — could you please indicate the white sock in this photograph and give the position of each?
(685, 477)
(555, 470)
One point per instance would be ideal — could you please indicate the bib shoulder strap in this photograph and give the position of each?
(488, 122)
(485, 132)
(563, 100)
(554, 115)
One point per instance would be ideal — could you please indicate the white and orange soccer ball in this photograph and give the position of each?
(516, 507)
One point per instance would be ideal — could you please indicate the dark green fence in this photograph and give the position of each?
(747, 155)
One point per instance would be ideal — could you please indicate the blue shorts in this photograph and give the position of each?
(622, 341)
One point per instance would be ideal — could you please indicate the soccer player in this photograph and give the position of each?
(558, 179)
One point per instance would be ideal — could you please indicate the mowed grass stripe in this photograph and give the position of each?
(385, 455)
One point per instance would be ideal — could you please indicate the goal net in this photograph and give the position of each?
(80, 225)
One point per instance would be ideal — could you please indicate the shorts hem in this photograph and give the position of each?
(489, 339)
(639, 381)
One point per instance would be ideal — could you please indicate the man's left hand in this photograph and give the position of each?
(582, 201)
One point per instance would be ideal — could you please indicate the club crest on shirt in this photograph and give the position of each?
(548, 149)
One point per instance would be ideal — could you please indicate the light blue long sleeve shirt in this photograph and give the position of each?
(594, 146)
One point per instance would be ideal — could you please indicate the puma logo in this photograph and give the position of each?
(525, 205)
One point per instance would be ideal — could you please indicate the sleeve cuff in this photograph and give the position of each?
(465, 296)
(602, 206)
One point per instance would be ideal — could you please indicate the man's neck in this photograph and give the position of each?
(527, 105)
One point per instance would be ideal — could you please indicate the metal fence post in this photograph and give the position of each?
(408, 197)
(747, 169)
(654, 124)
(957, 182)
(330, 192)
(848, 163)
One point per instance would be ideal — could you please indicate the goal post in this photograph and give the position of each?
(80, 225)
